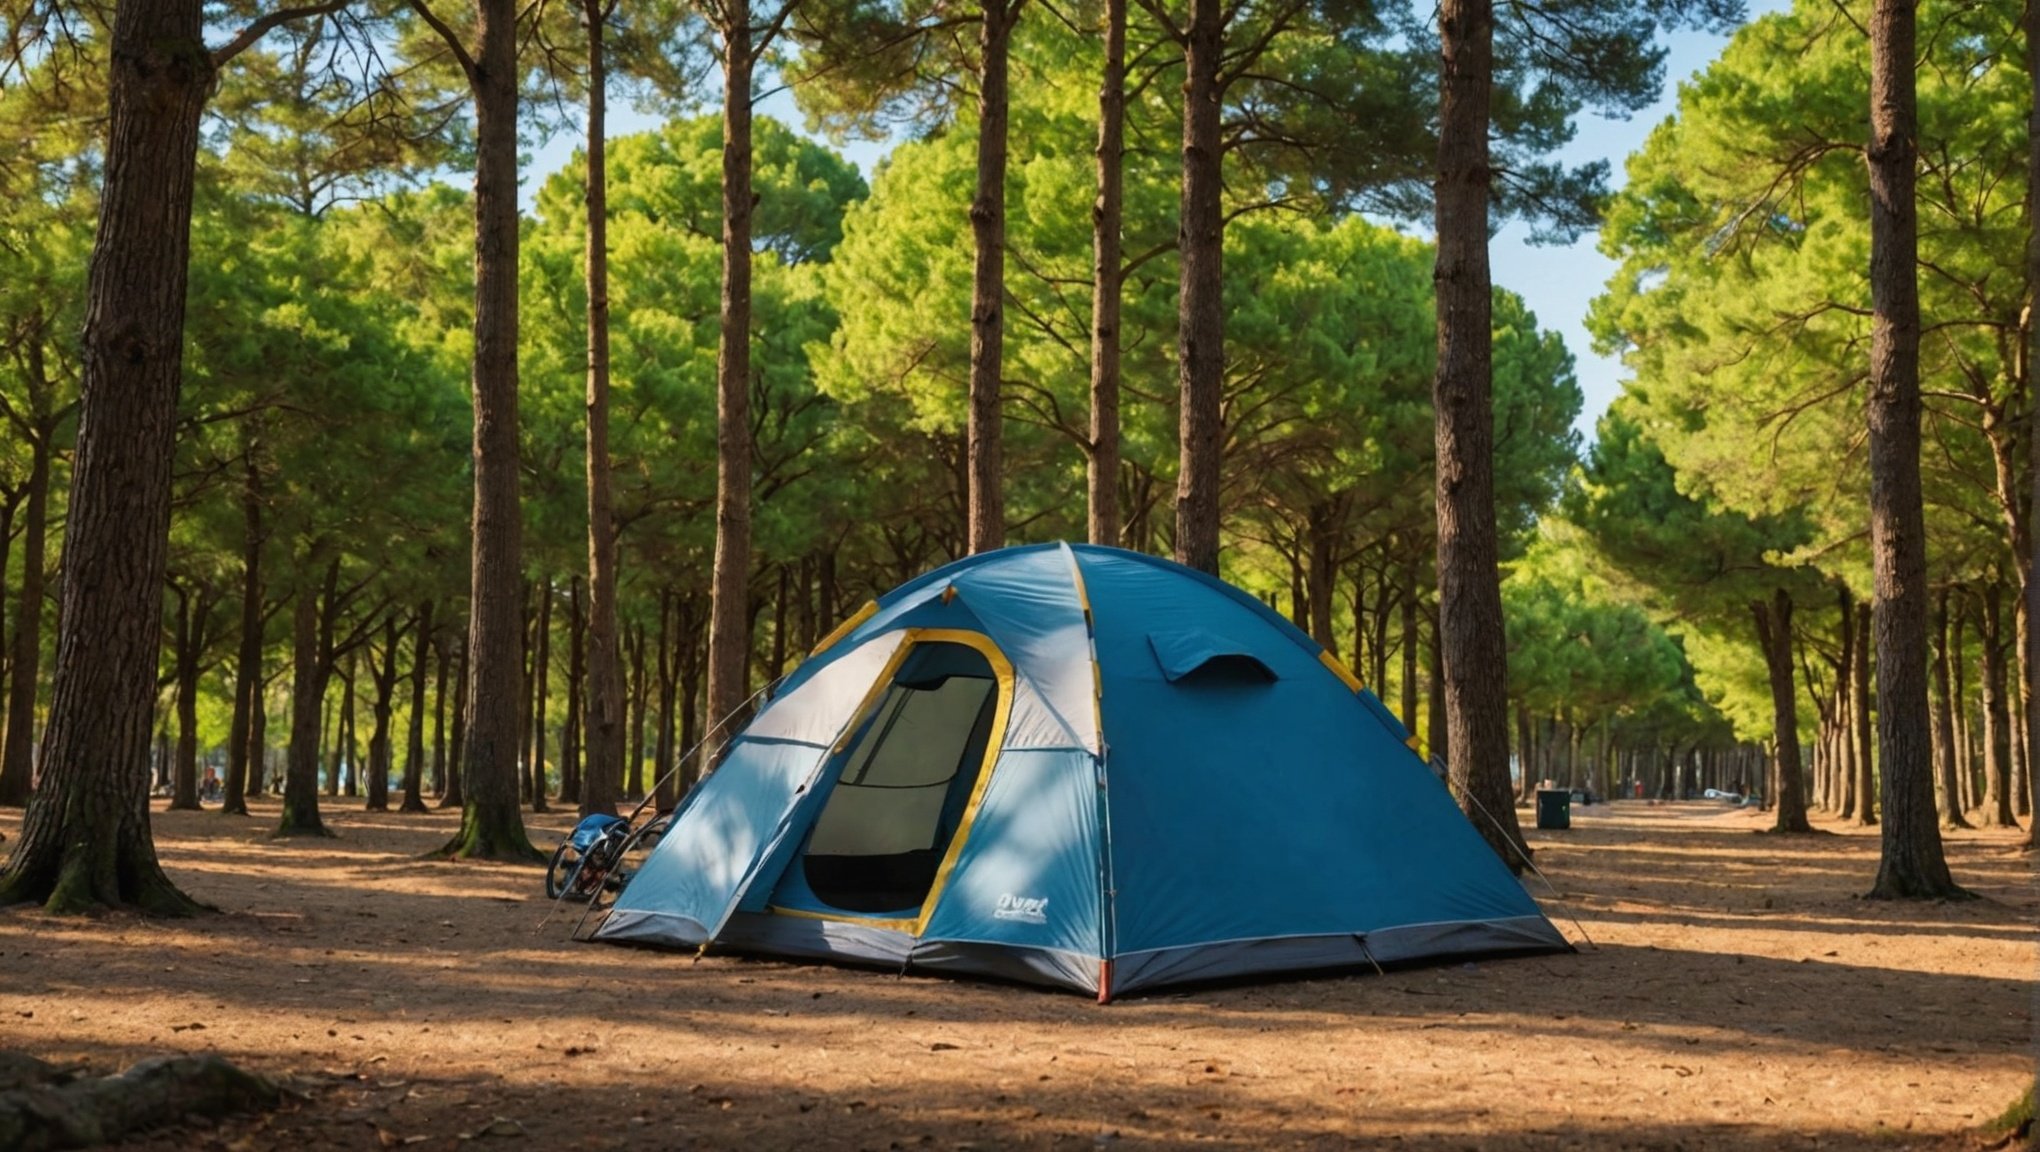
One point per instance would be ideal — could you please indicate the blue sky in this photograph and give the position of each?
(1558, 282)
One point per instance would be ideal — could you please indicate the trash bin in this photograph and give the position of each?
(1554, 809)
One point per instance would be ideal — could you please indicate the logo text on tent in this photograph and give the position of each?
(1026, 909)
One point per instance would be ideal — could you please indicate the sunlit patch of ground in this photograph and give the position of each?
(1739, 996)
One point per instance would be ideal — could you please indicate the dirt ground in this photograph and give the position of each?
(1737, 995)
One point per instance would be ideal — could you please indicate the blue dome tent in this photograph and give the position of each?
(1082, 767)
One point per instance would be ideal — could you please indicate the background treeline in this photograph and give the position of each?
(1706, 553)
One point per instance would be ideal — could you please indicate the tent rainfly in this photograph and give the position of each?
(1081, 767)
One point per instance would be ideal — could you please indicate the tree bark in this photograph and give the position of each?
(185, 651)
(456, 790)
(491, 826)
(349, 749)
(1947, 792)
(2030, 21)
(248, 664)
(527, 638)
(1965, 746)
(1474, 653)
(1323, 523)
(688, 714)
(602, 726)
(1108, 210)
(1997, 771)
(1845, 708)
(1200, 309)
(663, 751)
(635, 785)
(1410, 648)
(987, 511)
(311, 665)
(541, 685)
(1866, 760)
(1911, 864)
(729, 632)
(577, 668)
(381, 759)
(1437, 735)
(441, 660)
(775, 663)
(258, 740)
(1774, 633)
(85, 840)
(414, 743)
(17, 755)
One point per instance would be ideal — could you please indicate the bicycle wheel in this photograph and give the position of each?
(561, 870)
(635, 851)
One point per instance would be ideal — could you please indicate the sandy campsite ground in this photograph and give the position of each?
(1739, 996)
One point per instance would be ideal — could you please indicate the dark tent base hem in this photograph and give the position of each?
(867, 945)
(1298, 955)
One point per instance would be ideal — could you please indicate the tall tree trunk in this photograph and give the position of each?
(570, 727)
(663, 751)
(1959, 697)
(384, 678)
(1474, 653)
(1410, 649)
(541, 686)
(456, 778)
(2031, 339)
(729, 632)
(1866, 759)
(350, 748)
(776, 662)
(1323, 524)
(17, 756)
(414, 743)
(1200, 309)
(1774, 633)
(602, 727)
(635, 706)
(1437, 731)
(806, 636)
(987, 504)
(1845, 706)
(2015, 695)
(85, 840)
(1997, 769)
(185, 657)
(1299, 604)
(1108, 211)
(1911, 864)
(1526, 753)
(258, 740)
(329, 744)
(491, 826)
(1360, 656)
(248, 664)
(311, 666)
(689, 715)
(1947, 792)
(441, 659)
(528, 655)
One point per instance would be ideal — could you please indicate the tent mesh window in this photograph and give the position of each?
(905, 784)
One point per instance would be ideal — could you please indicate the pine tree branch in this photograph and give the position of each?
(262, 25)
(446, 34)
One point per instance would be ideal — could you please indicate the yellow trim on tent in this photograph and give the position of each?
(1002, 672)
(869, 610)
(1339, 669)
(1090, 638)
(874, 693)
